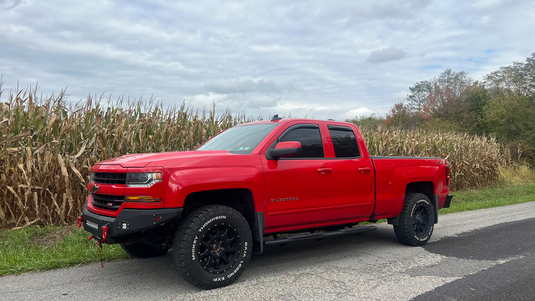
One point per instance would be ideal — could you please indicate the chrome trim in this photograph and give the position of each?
(91, 225)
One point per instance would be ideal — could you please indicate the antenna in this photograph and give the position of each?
(276, 117)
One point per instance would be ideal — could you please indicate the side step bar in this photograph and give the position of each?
(319, 235)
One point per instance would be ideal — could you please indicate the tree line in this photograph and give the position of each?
(502, 105)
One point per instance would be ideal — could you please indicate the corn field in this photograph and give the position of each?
(474, 161)
(48, 145)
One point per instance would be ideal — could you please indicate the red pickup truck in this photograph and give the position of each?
(234, 194)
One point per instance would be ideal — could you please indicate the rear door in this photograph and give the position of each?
(299, 190)
(354, 175)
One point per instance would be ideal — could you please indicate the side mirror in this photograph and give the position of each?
(286, 149)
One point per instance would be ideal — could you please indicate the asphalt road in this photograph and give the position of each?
(480, 255)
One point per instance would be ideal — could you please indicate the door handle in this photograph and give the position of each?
(324, 170)
(364, 169)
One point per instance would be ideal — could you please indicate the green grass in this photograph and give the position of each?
(489, 198)
(18, 254)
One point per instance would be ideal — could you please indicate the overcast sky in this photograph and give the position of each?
(327, 59)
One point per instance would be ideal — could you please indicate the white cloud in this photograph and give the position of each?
(359, 112)
(235, 102)
(265, 48)
(10, 4)
(249, 86)
(486, 3)
(401, 95)
(386, 55)
(314, 58)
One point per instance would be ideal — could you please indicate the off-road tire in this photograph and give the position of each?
(141, 250)
(416, 221)
(212, 246)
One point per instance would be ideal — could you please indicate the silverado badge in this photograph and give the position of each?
(284, 199)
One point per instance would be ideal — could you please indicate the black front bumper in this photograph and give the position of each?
(128, 223)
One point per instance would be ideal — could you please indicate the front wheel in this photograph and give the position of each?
(416, 220)
(212, 246)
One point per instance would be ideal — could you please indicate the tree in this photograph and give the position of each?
(475, 100)
(511, 118)
(400, 116)
(371, 122)
(518, 78)
(419, 95)
(503, 105)
(442, 97)
(510, 113)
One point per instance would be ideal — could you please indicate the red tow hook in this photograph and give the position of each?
(100, 241)
(80, 220)
(104, 234)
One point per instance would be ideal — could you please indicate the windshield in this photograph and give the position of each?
(240, 139)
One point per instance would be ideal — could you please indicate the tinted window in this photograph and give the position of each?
(344, 142)
(240, 139)
(310, 139)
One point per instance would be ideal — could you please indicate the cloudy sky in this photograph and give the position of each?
(327, 59)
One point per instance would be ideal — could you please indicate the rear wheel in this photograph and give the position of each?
(141, 250)
(416, 221)
(212, 246)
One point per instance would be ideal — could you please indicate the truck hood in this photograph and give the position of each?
(142, 160)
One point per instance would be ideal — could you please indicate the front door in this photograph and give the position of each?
(299, 190)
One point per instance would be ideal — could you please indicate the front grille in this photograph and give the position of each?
(108, 202)
(109, 178)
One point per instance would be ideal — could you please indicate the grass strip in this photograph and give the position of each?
(490, 197)
(44, 248)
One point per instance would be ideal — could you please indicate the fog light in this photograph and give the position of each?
(124, 226)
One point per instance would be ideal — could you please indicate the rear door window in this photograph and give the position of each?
(344, 142)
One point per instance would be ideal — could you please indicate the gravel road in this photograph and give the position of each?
(486, 254)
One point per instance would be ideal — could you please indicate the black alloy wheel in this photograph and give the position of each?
(218, 249)
(416, 220)
(212, 246)
(420, 221)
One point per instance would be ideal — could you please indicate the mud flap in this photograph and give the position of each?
(394, 221)
(258, 233)
(435, 204)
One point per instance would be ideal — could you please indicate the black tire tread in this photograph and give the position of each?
(181, 247)
(404, 231)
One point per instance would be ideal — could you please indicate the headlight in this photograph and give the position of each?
(91, 177)
(143, 179)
